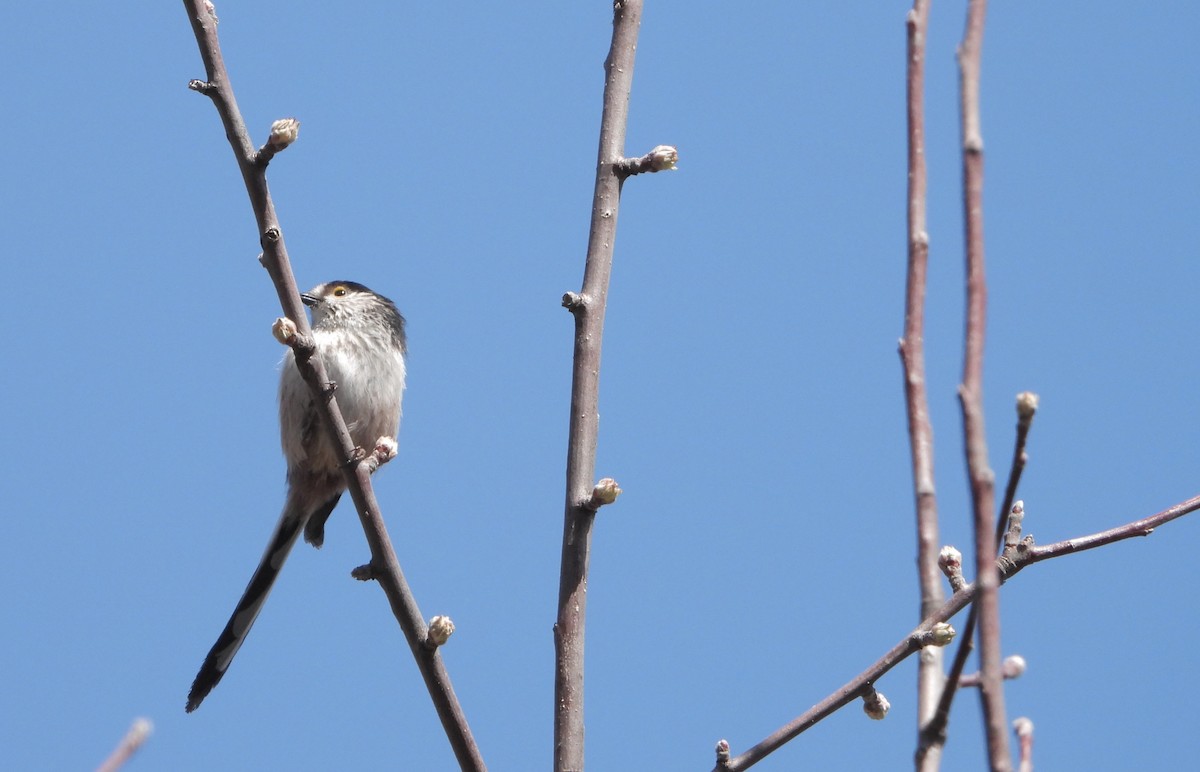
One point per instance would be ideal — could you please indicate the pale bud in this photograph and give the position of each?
(284, 132)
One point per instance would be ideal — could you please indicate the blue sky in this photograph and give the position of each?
(751, 402)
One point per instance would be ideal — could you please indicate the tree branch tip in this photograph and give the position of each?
(573, 301)
(1022, 727)
(440, 629)
(875, 705)
(662, 158)
(1027, 405)
(284, 132)
(950, 563)
(605, 491)
(363, 573)
(139, 731)
(722, 753)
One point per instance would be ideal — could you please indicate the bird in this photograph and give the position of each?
(360, 337)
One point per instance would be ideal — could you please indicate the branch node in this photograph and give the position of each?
(272, 236)
(573, 301)
(440, 630)
(364, 573)
(201, 87)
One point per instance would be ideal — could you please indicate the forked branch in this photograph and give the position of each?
(1014, 560)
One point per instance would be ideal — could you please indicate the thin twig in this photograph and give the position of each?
(587, 307)
(1022, 556)
(982, 478)
(137, 735)
(384, 565)
(1027, 405)
(933, 732)
(1023, 729)
(912, 355)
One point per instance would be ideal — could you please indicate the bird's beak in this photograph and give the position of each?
(309, 300)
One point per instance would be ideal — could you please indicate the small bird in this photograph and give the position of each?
(359, 336)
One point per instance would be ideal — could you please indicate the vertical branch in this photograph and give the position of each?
(912, 356)
(982, 478)
(587, 307)
(384, 566)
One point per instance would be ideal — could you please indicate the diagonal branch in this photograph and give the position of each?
(1021, 556)
(384, 567)
(587, 307)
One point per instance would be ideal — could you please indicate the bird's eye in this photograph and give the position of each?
(339, 291)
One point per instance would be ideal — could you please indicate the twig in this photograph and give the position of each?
(1023, 555)
(1027, 405)
(912, 355)
(933, 732)
(982, 478)
(385, 567)
(1023, 729)
(587, 307)
(137, 735)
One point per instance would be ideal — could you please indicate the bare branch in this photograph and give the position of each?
(137, 735)
(587, 307)
(384, 566)
(933, 732)
(1027, 405)
(982, 478)
(1025, 555)
(1023, 729)
(912, 355)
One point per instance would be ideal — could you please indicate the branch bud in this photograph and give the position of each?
(440, 630)
(1027, 405)
(950, 561)
(875, 705)
(1014, 666)
(283, 133)
(605, 492)
(284, 330)
(664, 158)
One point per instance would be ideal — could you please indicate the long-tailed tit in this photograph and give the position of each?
(359, 336)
